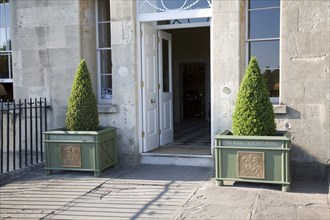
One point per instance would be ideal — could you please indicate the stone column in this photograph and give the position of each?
(227, 60)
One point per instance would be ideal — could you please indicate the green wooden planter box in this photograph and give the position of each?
(261, 159)
(80, 150)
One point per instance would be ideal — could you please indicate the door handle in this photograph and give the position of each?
(153, 101)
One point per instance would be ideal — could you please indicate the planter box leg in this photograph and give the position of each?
(48, 172)
(285, 188)
(219, 182)
(97, 174)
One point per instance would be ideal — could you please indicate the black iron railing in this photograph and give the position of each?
(21, 127)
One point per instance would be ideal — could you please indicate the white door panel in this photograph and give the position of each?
(165, 93)
(150, 88)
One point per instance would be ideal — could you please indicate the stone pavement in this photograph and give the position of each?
(157, 192)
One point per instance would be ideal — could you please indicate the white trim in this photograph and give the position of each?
(104, 22)
(263, 39)
(154, 17)
(3, 80)
(280, 56)
(265, 8)
(198, 13)
(139, 71)
(180, 26)
(103, 48)
(98, 57)
(274, 100)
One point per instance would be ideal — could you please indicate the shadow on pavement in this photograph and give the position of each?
(307, 185)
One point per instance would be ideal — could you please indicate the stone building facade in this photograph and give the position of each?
(50, 37)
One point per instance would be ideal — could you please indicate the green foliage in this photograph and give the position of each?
(253, 113)
(82, 114)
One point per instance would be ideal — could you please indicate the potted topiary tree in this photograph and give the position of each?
(83, 145)
(253, 151)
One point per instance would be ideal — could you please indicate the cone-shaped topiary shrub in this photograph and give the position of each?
(253, 114)
(82, 114)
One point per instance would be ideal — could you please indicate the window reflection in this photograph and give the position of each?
(104, 50)
(4, 67)
(263, 40)
(106, 90)
(104, 35)
(105, 62)
(267, 53)
(272, 78)
(254, 4)
(103, 10)
(6, 78)
(260, 21)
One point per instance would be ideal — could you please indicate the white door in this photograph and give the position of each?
(150, 81)
(165, 91)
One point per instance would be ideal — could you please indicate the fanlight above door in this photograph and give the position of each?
(155, 6)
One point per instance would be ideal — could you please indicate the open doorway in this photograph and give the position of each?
(191, 92)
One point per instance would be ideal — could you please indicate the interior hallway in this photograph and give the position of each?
(191, 136)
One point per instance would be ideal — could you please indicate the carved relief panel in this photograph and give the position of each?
(251, 165)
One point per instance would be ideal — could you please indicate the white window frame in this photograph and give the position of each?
(98, 52)
(7, 52)
(274, 100)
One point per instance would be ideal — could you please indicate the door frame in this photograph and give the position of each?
(139, 80)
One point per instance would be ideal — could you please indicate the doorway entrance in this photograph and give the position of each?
(175, 90)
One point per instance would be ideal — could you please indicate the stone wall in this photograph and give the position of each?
(305, 51)
(46, 51)
(50, 37)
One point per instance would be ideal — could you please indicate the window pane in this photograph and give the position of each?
(2, 15)
(272, 77)
(106, 86)
(104, 35)
(105, 62)
(7, 13)
(2, 38)
(8, 46)
(264, 23)
(263, 3)
(103, 10)
(267, 53)
(4, 67)
(6, 91)
(166, 80)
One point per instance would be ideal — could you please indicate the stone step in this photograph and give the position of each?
(177, 159)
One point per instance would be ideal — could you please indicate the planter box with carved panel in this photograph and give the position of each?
(80, 150)
(262, 159)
